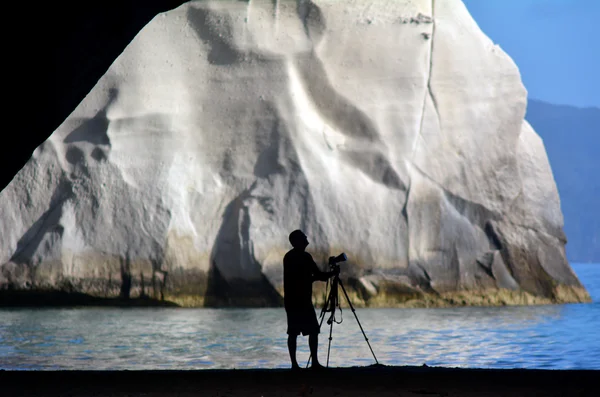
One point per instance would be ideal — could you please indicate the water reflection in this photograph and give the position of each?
(104, 338)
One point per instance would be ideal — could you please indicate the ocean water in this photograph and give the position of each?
(553, 336)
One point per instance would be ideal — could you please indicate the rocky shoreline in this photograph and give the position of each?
(24, 298)
(57, 298)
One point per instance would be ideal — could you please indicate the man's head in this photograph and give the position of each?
(298, 239)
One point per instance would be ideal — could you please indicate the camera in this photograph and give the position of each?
(334, 260)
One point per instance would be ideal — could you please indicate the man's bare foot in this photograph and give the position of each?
(317, 366)
(295, 367)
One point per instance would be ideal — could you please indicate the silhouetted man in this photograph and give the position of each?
(299, 272)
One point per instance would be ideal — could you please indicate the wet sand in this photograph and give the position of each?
(377, 381)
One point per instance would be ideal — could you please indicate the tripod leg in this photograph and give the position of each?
(329, 299)
(356, 317)
(329, 345)
(334, 303)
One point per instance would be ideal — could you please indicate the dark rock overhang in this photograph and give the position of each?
(55, 53)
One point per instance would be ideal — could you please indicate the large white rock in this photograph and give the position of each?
(391, 130)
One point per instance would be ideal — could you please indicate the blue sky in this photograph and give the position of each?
(555, 44)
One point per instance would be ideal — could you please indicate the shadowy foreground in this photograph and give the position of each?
(357, 381)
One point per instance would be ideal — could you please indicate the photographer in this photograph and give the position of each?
(299, 272)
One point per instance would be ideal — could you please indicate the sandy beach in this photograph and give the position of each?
(357, 381)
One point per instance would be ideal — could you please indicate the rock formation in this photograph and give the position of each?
(391, 130)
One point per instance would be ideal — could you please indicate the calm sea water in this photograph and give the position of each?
(557, 336)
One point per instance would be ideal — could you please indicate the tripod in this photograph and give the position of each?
(330, 305)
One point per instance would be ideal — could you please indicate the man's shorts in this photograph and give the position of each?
(302, 321)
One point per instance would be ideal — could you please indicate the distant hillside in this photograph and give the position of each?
(572, 139)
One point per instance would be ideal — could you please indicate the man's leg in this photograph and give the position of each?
(313, 343)
(292, 350)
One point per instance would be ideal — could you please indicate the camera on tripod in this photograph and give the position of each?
(332, 303)
(335, 260)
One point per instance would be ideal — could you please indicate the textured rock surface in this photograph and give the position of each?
(392, 130)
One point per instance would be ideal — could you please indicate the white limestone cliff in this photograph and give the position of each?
(391, 130)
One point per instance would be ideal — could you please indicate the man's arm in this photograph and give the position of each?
(317, 274)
